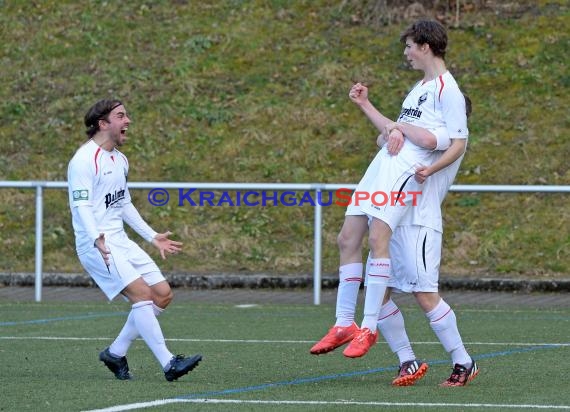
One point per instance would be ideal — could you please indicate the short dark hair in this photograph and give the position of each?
(428, 32)
(99, 111)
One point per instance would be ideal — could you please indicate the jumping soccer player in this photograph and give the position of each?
(435, 101)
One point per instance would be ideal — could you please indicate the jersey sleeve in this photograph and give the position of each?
(443, 141)
(133, 218)
(80, 186)
(80, 183)
(454, 114)
(87, 221)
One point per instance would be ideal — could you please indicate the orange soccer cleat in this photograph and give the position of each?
(335, 337)
(361, 343)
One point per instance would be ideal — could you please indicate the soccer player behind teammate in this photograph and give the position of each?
(415, 249)
(434, 102)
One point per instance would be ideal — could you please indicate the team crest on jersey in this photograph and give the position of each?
(81, 194)
(422, 99)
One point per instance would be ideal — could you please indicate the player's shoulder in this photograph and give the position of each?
(449, 88)
(448, 82)
(85, 151)
(122, 156)
(86, 156)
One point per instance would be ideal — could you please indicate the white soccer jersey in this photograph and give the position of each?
(97, 179)
(436, 103)
(428, 210)
(431, 105)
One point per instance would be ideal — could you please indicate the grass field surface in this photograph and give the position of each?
(256, 358)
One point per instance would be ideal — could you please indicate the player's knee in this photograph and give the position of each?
(138, 291)
(163, 299)
(140, 296)
(427, 300)
(379, 244)
(167, 299)
(345, 241)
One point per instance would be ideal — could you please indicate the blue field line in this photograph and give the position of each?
(64, 318)
(352, 374)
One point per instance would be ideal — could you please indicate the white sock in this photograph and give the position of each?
(126, 337)
(149, 328)
(157, 310)
(128, 334)
(391, 325)
(367, 270)
(350, 277)
(443, 322)
(378, 277)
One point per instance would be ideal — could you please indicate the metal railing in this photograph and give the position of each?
(318, 188)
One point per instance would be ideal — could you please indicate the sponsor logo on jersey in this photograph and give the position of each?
(410, 112)
(81, 194)
(112, 198)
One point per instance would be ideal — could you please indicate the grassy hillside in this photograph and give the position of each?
(256, 91)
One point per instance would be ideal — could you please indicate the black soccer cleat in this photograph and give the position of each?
(410, 372)
(461, 375)
(180, 366)
(116, 364)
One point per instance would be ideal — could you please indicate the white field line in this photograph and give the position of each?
(150, 404)
(530, 311)
(303, 342)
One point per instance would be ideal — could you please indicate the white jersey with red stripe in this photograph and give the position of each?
(444, 95)
(97, 179)
(434, 105)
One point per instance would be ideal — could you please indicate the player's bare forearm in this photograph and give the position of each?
(454, 152)
(417, 135)
(378, 119)
(359, 96)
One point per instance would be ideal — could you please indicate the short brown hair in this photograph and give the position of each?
(99, 111)
(428, 32)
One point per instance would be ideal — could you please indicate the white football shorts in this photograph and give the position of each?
(128, 261)
(415, 253)
(385, 191)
